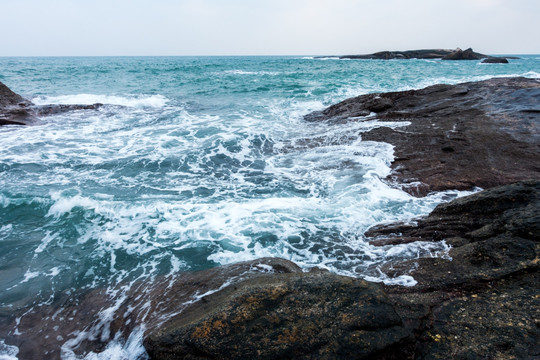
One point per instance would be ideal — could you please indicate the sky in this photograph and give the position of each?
(265, 27)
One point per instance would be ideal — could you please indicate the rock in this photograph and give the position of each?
(495, 60)
(300, 316)
(412, 54)
(479, 134)
(482, 301)
(48, 329)
(493, 234)
(9, 98)
(16, 110)
(266, 308)
(459, 54)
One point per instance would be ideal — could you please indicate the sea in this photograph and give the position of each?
(192, 163)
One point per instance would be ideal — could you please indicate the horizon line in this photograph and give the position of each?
(230, 55)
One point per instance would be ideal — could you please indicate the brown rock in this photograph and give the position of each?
(480, 134)
(288, 316)
(482, 301)
(16, 110)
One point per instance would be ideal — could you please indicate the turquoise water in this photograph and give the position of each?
(195, 162)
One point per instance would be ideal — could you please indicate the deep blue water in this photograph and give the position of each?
(195, 162)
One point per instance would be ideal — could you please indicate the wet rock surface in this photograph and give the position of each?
(74, 324)
(477, 134)
(287, 316)
(16, 110)
(482, 302)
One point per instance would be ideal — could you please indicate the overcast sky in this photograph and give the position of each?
(265, 27)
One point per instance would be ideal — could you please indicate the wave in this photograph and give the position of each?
(87, 99)
(243, 72)
(330, 58)
(458, 80)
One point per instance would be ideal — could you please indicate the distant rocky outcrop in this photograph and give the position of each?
(477, 134)
(459, 54)
(443, 54)
(16, 110)
(495, 60)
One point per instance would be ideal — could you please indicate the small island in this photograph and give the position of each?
(441, 54)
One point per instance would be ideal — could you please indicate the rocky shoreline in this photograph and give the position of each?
(16, 110)
(476, 134)
(479, 302)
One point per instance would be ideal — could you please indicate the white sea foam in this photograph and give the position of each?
(328, 58)
(117, 349)
(87, 99)
(8, 352)
(336, 171)
(244, 72)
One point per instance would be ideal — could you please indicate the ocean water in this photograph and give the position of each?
(195, 162)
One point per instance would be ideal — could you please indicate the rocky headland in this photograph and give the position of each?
(479, 302)
(477, 134)
(16, 110)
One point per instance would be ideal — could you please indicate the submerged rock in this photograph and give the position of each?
(16, 110)
(478, 134)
